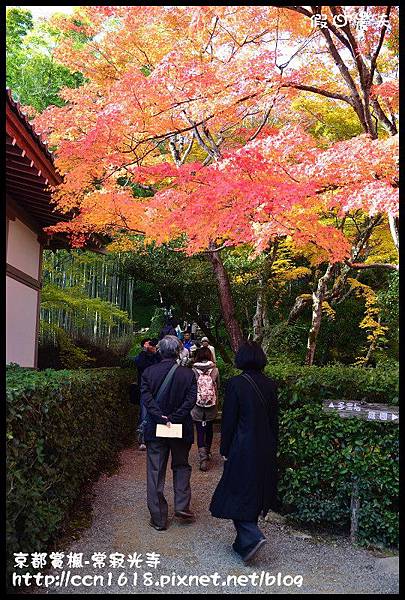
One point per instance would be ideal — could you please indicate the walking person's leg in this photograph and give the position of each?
(200, 434)
(248, 540)
(202, 450)
(141, 425)
(209, 434)
(157, 456)
(181, 477)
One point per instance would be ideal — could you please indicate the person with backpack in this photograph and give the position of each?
(206, 408)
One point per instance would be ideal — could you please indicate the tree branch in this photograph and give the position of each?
(198, 137)
(372, 266)
(380, 43)
(187, 151)
(391, 127)
(315, 90)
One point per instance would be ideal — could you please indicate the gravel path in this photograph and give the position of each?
(326, 564)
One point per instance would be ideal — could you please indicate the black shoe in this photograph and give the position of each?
(184, 514)
(253, 551)
(157, 527)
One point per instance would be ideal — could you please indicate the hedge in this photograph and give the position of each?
(322, 454)
(78, 418)
(62, 428)
(299, 385)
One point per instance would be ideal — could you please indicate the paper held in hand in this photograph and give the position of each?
(174, 431)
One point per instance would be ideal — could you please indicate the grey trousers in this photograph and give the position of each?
(157, 457)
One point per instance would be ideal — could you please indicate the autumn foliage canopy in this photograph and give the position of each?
(177, 103)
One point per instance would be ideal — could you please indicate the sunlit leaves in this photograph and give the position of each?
(159, 73)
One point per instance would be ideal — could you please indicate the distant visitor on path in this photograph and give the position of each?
(146, 358)
(206, 408)
(179, 332)
(194, 328)
(169, 328)
(249, 435)
(184, 355)
(169, 392)
(206, 344)
(187, 341)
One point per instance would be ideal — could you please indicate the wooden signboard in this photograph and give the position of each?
(363, 410)
(367, 412)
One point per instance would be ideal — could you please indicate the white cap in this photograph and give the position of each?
(204, 339)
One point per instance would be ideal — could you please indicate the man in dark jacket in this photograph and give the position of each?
(146, 358)
(174, 406)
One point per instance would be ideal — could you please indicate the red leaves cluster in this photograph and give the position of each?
(153, 72)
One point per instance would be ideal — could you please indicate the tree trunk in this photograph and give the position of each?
(226, 301)
(317, 301)
(394, 229)
(260, 316)
(260, 319)
(300, 303)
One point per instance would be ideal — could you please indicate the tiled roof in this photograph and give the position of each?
(30, 173)
(16, 107)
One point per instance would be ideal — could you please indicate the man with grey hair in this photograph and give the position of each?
(169, 392)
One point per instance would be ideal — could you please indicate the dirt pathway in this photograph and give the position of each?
(292, 561)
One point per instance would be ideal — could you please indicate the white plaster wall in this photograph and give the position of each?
(23, 248)
(21, 319)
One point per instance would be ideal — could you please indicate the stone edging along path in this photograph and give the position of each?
(292, 561)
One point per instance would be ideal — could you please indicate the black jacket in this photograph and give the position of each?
(177, 401)
(144, 360)
(249, 434)
(167, 330)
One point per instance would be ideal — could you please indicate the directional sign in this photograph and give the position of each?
(362, 410)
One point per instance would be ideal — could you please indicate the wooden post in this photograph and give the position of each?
(368, 412)
(354, 509)
(355, 500)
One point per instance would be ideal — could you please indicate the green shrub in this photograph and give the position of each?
(62, 428)
(157, 322)
(83, 351)
(103, 354)
(300, 385)
(71, 356)
(320, 454)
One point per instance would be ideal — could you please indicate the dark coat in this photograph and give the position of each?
(249, 435)
(176, 402)
(167, 330)
(144, 360)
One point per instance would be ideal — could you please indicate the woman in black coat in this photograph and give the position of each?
(249, 433)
